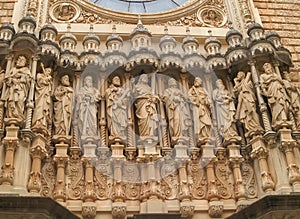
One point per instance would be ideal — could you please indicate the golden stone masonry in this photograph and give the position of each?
(118, 109)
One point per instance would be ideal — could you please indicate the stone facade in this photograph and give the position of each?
(6, 11)
(114, 115)
(284, 18)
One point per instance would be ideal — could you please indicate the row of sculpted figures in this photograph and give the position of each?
(153, 109)
(183, 106)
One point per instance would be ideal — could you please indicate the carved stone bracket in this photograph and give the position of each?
(187, 209)
(89, 210)
(118, 210)
(215, 209)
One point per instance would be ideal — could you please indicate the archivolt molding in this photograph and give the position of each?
(193, 13)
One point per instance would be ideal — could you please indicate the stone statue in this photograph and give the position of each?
(294, 98)
(41, 115)
(177, 110)
(201, 108)
(246, 107)
(273, 88)
(17, 86)
(145, 104)
(225, 110)
(87, 98)
(63, 106)
(116, 108)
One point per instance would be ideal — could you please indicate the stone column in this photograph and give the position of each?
(186, 206)
(260, 152)
(287, 145)
(38, 152)
(216, 207)
(164, 132)
(118, 197)
(103, 130)
(89, 208)
(154, 203)
(235, 160)
(131, 129)
(61, 158)
(30, 102)
(10, 142)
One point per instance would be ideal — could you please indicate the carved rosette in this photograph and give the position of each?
(62, 11)
(211, 16)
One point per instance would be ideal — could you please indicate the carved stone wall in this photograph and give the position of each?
(130, 122)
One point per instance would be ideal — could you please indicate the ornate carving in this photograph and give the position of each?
(76, 176)
(211, 17)
(102, 183)
(48, 177)
(223, 175)
(187, 210)
(64, 11)
(87, 17)
(169, 182)
(131, 177)
(89, 212)
(199, 181)
(249, 180)
(118, 210)
(216, 210)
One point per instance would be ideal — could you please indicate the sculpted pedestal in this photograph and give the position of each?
(89, 145)
(148, 146)
(117, 149)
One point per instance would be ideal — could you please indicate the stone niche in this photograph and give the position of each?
(16, 207)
